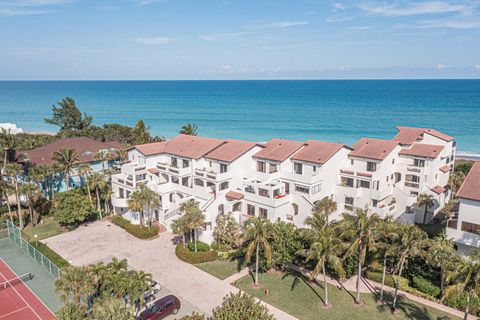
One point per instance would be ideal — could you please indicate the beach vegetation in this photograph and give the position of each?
(67, 116)
(190, 129)
(71, 208)
(241, 306)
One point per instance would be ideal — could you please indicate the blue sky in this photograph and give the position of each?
(238, 39)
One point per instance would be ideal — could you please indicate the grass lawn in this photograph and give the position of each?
(303, 301)
(48, 229)
(221, 269)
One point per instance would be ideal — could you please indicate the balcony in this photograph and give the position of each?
(412, 185)
(119, 202)
(167, 168)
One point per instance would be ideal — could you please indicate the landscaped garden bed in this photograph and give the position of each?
(303, 299)
(135, 229)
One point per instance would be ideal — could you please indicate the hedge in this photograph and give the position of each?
(389, 280)
(201, 246)
(194, 257)
(425, 286)
(135, 229)
(50, 254)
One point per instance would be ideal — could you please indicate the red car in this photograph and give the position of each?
(161, 308)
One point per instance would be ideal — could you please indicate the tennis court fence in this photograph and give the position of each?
(23, 241)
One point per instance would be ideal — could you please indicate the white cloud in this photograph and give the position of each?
(281, 24)
(450, 23)
(338, 18)
(143, 3)
(359, 28)
(222, 36)
(339, 6)
(477, 66)
(226, 67)
(34, 3)
(441, 66)
(155, 41)
(419, 8)
(6, 12)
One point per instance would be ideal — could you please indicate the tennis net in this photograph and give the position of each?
(16, 281)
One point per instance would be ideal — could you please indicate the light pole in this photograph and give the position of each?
(36, 240)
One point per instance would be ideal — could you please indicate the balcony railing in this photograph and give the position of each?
(411, 184)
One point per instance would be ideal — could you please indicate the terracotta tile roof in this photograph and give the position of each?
(232, 195)
(438, 189)
(318, 151)
(153, 170)
(422, 150)
(278, 149)
(230, 150)
(408, 135)
(446, 168)
(84, 147)
(373, 148)
(470, 188)
(182, 145)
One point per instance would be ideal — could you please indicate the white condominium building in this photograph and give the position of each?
(465, 227)
(282, 179)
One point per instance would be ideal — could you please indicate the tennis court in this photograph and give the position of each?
(17, 300)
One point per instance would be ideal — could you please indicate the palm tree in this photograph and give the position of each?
(151, 201)
(102, 156)
(14, 170)
(258, 232)
(411, 243)
(84, 170)
(112, 308)
(425, 200)
(97, 182)
(325, 250)
(386, 237)
(190, 129)
(442, 255)
(71, 311)
(31, 192)
(180, 227)
(137, 283)
(39, 175)
(7, 143)
(326, 206)
(195, 219)
(456, 180)
(136, 203)
(360, 228)
(122, 155)
(4, 193)
(465, 278)
(448, 209)
(65, 159)
(187, 207)
(75, 283)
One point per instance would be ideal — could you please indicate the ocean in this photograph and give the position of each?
(330, 110)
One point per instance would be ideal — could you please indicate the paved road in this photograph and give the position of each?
(101, 240)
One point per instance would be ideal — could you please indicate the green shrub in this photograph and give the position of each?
(459, 302)
(425, 286)
(350, 265)
(135, 229)
(389, 280)
(201, 246)
(50, 254)
(186, 255)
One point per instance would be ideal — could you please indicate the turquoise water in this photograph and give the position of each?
(340, 111)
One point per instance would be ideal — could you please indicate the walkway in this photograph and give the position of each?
(368, 286)
(102, 240)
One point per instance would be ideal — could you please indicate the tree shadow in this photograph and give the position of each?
(410, 309)
(298, 277)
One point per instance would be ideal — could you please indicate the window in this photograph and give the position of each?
(221, 209)
(249, 189)
(371, 166)
(173, 162)
(374, 203)
(412, 178)
(419, 163)
(352, 162)
(185, 163)
(316, 188)
(250, 210)
(261, 166)
(413, 194)
(393, 161)
(470, 227)
(223, 168)
(347, 182)
(199, 182)
(224, 185)
(272, 168)
(301, 189)
(262, 212)
(314, 168)
(363, 184)
(263, 192)
(297, 168)
(349, 203)
(185, 181)
(175, 180)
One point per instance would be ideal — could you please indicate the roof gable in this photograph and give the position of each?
(375, 149)
(470, 188)
(278, 149)
(318, 151)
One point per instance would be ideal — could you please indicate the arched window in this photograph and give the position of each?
(221, 209)
(295, 209)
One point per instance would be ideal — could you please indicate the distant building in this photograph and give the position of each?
(283, 179)
(86, 148)
(465, 228)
